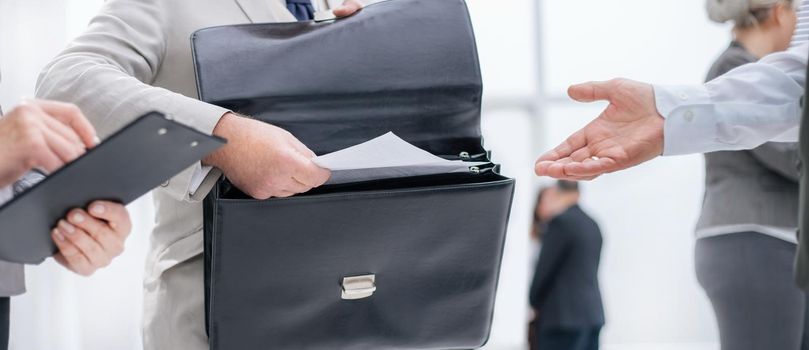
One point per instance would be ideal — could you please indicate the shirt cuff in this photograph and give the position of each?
(689, 126)
(197, 179)
(6, 194)
(203, 117)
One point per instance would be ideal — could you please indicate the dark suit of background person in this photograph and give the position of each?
(565, 291)
(746, 239)
(538, 227)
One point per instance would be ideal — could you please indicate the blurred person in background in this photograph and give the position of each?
(538, 226)
(746, 238)
(565, 293)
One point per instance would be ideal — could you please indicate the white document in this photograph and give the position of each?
(387, 156)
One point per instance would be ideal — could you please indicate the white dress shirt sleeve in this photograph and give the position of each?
(199, 176)
(742, 109)
(6, 194)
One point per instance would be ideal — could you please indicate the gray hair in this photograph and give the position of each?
(743, 13)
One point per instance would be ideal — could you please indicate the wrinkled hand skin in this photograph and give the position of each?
(263, 160)
(627, 133)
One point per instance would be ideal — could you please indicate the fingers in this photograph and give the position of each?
(71, 116)
(301, 148)
(581, 155)
(591, 91)
(90, 249)
(115, 215)
(70, 256)
(111, 243)
(593, 167)
(566, 148)
(63, 130)
(87, 241)
(308, 173)
(284, 194)
(555, 169)
(62, 147)
(44, 158)
(296, 186)
(575, 170)
(348, 8)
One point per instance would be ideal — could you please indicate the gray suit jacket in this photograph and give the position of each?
(12, 279)
(135, 57)
(12, 276)
(802, 259)
(755, 190)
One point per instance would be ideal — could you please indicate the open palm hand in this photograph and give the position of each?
(628, 132)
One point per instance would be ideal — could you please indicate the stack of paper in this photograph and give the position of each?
(387, 156)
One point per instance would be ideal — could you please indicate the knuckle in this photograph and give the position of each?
(93, 250)
(72, 109)
(25, 112)
(286, 133)
(30, 135)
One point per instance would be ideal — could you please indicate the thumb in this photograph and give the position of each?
(591, 91)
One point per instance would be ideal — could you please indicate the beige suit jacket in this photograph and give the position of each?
(135, 57)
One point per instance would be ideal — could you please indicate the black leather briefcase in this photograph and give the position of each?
(406, 263)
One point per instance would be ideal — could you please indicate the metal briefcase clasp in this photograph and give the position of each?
(358, 287)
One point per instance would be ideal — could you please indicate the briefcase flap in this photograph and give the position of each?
(407, 66)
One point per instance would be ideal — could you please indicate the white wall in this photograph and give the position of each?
(62, 310)
(652, 299)
(647, 214)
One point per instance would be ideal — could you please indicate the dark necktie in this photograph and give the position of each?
(301, 9)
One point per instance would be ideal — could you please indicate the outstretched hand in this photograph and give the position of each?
(628, 132)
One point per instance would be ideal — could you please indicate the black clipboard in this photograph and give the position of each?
(127, 165)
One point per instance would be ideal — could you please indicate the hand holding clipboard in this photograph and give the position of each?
(127, 165)
(42, 135)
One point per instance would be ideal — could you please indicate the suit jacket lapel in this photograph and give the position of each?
(261, 11)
